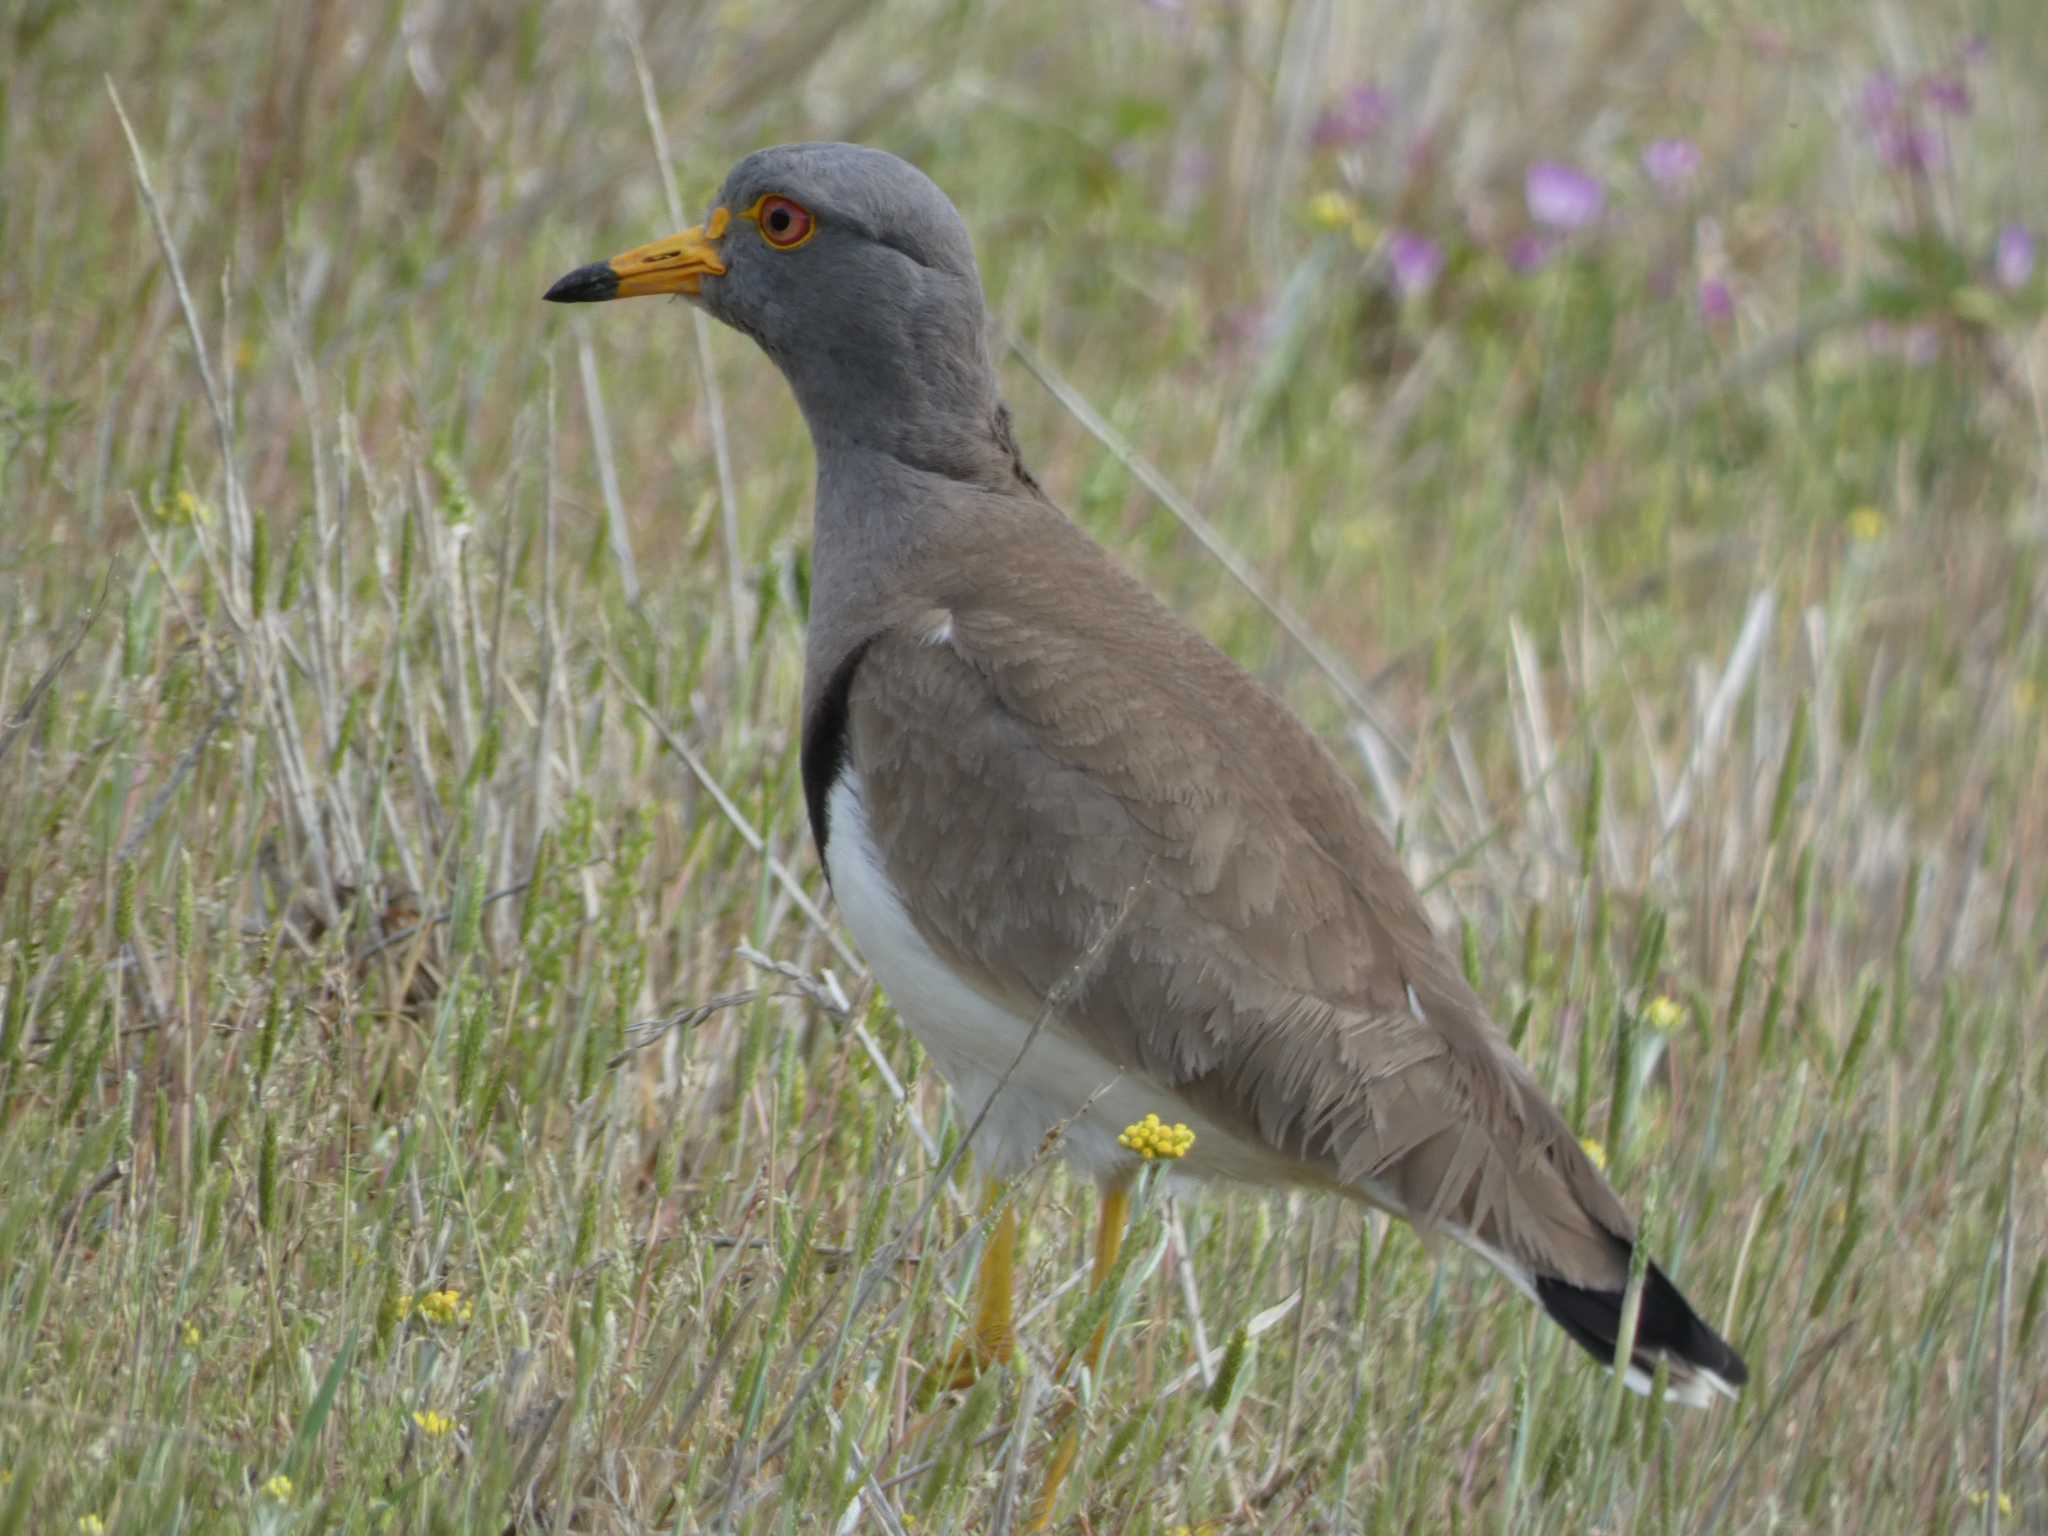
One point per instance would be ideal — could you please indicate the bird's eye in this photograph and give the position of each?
(784, 224)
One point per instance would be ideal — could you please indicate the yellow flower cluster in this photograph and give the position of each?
(1595, 1150)
(432, 1424)
(1339, 211)
(1663, 1013)
(1980, 1498)
(187, 509)
(1151, 1137)
(449, 1306)
(279, 1488)
(91, 1525)
(1331, 209)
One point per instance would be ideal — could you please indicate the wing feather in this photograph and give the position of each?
(1070, 762)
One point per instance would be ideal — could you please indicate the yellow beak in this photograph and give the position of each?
(678, 264)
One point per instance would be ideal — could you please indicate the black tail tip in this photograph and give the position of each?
(1667, 1329)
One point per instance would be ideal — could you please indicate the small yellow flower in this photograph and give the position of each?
(191, 1335)
(1151, 1137)
(1866, 525)
(446, 1307)
(1332, 210)
(187, 508)
(1663, 1013)
(2025, 697)
(432, 1424)
(1596, 1152)
(91, 1525)
(1980, 1498)
(279, 1488)
(404, 1308)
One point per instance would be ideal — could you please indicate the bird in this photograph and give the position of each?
(1100, 870)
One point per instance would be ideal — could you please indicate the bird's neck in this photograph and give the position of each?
(968, 443)
(918, 474)
(895, 535)
(910, 381)
(884, 512)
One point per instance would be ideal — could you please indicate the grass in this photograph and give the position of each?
(431, 1097)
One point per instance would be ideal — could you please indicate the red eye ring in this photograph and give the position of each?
(784, 224)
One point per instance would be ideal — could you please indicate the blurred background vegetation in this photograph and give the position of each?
(430, 1098)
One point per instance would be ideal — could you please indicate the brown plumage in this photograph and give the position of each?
(1039, 794)
(1071, 750)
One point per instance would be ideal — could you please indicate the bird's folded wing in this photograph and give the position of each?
(1081, 800)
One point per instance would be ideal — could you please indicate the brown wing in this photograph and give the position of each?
(1049, 757)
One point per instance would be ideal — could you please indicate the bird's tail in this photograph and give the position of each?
(1668, 1331)
(1490, 1163)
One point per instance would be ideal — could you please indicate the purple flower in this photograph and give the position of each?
(1949, 94)
(1716, 301)
(1898, 138)
(1880, 99)
(1353, 118)
(1561, 196)
(1904, 146)
(1671, 163)
(1531, 253)
(2013, 261)
(1416, 260)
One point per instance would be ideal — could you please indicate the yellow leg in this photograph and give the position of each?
(995, 1337)
(1109, 1242)
(995, 1328)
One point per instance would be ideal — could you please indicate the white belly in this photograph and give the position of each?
(974, 1041)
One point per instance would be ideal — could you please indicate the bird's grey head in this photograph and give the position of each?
(852, 271)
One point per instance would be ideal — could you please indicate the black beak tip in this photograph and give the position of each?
(586, 285)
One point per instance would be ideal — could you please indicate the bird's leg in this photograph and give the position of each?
(1109, 1242)
(995, 1338)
